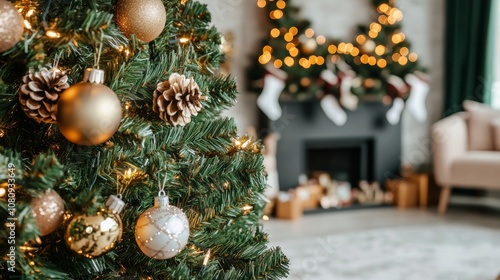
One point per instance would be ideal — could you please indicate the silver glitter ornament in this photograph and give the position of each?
(162, 231)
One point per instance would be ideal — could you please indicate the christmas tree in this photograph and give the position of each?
(382, 56)
(292, 47)
(106, 107)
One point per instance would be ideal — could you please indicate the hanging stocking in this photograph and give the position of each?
(397, 87)
(418, 94)
(329, 103)
(333, 111)
(274, 83)
(393, 115)
(347, 98)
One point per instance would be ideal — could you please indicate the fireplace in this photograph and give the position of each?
(366, 147)
(349, 160)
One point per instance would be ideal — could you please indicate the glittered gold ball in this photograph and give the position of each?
(88, 113)
(11, 25)
(93, 236)
(48, 211)
(144, 18)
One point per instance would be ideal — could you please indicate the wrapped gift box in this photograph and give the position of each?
(289, 206)
(310, 196)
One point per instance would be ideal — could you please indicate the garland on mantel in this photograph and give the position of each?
(377, 64)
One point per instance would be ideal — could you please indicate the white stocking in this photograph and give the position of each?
(347, 98)
(328, 76)
(268, 99)
(418, 94)
(333, 111)
(393, 115)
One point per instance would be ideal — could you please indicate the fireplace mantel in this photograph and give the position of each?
(304, 123)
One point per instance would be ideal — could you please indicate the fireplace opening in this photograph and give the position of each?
(349, 160)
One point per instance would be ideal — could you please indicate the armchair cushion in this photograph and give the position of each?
(480, 132)
(495, 129)
(477, 169)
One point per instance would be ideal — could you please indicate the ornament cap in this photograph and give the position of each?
(161, 201)
(115, 204)
(93, 75)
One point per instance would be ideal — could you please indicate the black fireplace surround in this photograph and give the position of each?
(367, 147)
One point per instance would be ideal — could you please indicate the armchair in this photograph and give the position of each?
(456, 164)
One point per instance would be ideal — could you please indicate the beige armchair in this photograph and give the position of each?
(456, 163)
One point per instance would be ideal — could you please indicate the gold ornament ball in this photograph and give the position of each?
(93, 236)
(144, 18)
(88, 113)
(11, 25)
(48, 211)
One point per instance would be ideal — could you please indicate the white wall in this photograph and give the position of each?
(423, 24)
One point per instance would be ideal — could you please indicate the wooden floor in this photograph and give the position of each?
(460, 212)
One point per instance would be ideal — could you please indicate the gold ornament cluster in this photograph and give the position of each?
(178, 99)
(40, 93)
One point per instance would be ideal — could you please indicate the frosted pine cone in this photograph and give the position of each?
(177, 99)
(40, 92)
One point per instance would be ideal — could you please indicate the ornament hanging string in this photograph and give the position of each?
(161, 188)
(97, 55)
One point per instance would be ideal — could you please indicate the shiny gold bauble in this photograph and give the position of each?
(144, 18)
(88, 113)
(93, 236)
(48, 211)
(11, 25)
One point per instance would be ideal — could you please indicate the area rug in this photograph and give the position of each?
(440, 252)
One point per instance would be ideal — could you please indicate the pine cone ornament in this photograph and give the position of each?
(40, 92)
(178, 99)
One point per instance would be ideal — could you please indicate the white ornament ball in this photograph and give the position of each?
(162, 231)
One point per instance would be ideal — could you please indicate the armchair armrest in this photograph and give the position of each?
(450, 139)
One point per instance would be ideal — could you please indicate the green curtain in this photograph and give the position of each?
(468, 53)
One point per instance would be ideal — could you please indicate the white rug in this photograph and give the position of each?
(431, 252)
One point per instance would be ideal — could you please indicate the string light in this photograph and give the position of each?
(276, 14)
(404, 51)
(27, 24)
(320, 40)
(413, 57)
(361, 39)
(373, 34)
(53, 34)
(261, 3)
(275, 32)
(246, 209)
(281, 4)
(289, 61)
(293, 30)
(294, 52)
(207, 257)
(382, 63)
(184, 40)
(309, 33)
(372, 61)
(332, 49)
(320, 60)
(278, 63)
(403, 60)
(288, 37)
(290, 46)
(2, 192)
(380, 50)
(265, 218)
